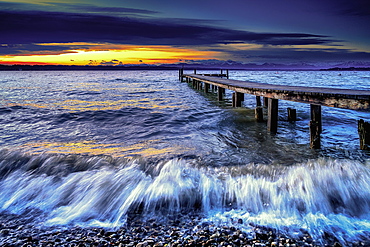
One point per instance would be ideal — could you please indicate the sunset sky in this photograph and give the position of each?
(117, 32)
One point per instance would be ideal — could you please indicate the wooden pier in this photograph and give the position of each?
(315, 96)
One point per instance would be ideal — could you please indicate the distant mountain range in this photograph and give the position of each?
(206, 64)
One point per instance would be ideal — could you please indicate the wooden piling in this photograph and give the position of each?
(206, 87)
(237, 99)
(258, 101)
(292, 115)
(364, 134)
(316, 115)
(258, 113)
(220, 93)
(272, 111)
(265, 102)
(315, 138)
(240, 96)
(181, 73)
(227, 74)
(315, 126)
(195, 71)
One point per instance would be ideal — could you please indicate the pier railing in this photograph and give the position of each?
(315, 96)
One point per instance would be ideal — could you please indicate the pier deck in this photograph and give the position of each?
(315, 96)
(340, 98)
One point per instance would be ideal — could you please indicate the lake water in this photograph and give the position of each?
(87, 147)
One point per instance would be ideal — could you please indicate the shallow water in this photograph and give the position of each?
(87, 147)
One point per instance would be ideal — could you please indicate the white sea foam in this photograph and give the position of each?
(320, 196)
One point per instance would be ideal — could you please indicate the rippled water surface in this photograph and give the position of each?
(86, 147)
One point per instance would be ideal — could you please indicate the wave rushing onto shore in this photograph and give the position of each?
(321, 196)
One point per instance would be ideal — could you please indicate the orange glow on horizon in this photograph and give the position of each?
(108, 54)
(23, 63)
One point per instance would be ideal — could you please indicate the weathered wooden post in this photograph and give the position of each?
(315, 127)
(265, 102)
(195, 71)
(237, 99)
(364, 134)
(316, 115)
(258, 114)
(181, 73)
(227, 74)
(220, 93)
(315, 138)
(258, 111)
(292, 115)
(272, 111)
(258, 101)
(206, 87)
(234, 99)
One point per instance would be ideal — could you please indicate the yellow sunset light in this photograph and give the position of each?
(98, 54)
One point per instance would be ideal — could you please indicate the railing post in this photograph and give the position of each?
(272, 110)
(364, 134)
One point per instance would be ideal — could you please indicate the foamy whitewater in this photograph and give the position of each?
(88, 148)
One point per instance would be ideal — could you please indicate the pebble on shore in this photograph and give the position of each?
(184, 231)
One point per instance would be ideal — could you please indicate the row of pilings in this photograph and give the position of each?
(315, 124)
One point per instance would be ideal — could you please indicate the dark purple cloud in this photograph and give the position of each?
(87, 8)
(359, 8)
(23, 26)
(39, 27)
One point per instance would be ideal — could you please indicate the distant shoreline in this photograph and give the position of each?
(161, 67)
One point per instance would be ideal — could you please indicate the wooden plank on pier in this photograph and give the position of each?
(333, 97)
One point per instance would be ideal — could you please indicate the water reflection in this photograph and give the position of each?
(148, 148)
